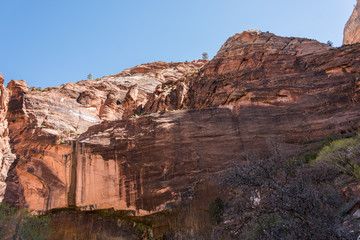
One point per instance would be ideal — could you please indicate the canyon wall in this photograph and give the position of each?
(161, 133)
(146, 163)
(152, 139)
(352, 27)
(44, 126)
(6, 156)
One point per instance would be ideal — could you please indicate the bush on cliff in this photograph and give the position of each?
(344, 154)
(20, 224)
(276, 198)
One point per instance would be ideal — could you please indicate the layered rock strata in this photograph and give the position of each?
(44, 125)
(352, 27)
(6, 157)
(260, 92)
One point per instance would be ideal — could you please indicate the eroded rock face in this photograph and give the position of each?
(306, 89)
(44, 125)
(246, 69)
(6, 157)
(260, 92)
(143, 164)
(298, 85)
(352, 27)
(255, 68)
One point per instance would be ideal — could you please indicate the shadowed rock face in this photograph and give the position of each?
(352, 27)
(260, 92)
(92, 226)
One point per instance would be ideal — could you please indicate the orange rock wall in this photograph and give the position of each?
(6, 156)
(352, 27)
(260, 92)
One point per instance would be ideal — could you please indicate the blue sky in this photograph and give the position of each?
(50, 42)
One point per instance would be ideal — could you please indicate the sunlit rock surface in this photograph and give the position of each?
(44, 126)
(6, 157)
(352, 27)
(147, 138)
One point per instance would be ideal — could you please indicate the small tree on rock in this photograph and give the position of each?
(205, 56)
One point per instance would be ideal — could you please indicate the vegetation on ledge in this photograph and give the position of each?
(279, 198)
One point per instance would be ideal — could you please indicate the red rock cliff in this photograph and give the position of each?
(44, 125)
(259, 91)
(352, 27)
(6, 157)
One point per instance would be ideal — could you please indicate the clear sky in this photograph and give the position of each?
(50, 42)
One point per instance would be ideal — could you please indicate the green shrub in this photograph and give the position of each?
(344, 154)
(295, 200)
(269, 223)
(20, 224)
(309, 157)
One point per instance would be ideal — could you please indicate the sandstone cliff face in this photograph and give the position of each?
(352, 27)
(144, 164)
(144, 139)
(6, 157)
(298, 85)
(44, 125)
(260, 91)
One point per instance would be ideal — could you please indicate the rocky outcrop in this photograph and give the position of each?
(44, 125)
(268, 80)
(167, 96)
(6, 157)
(246, 71)
(130, 102)
(298, 85)
(352, 27)
(260, 69)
